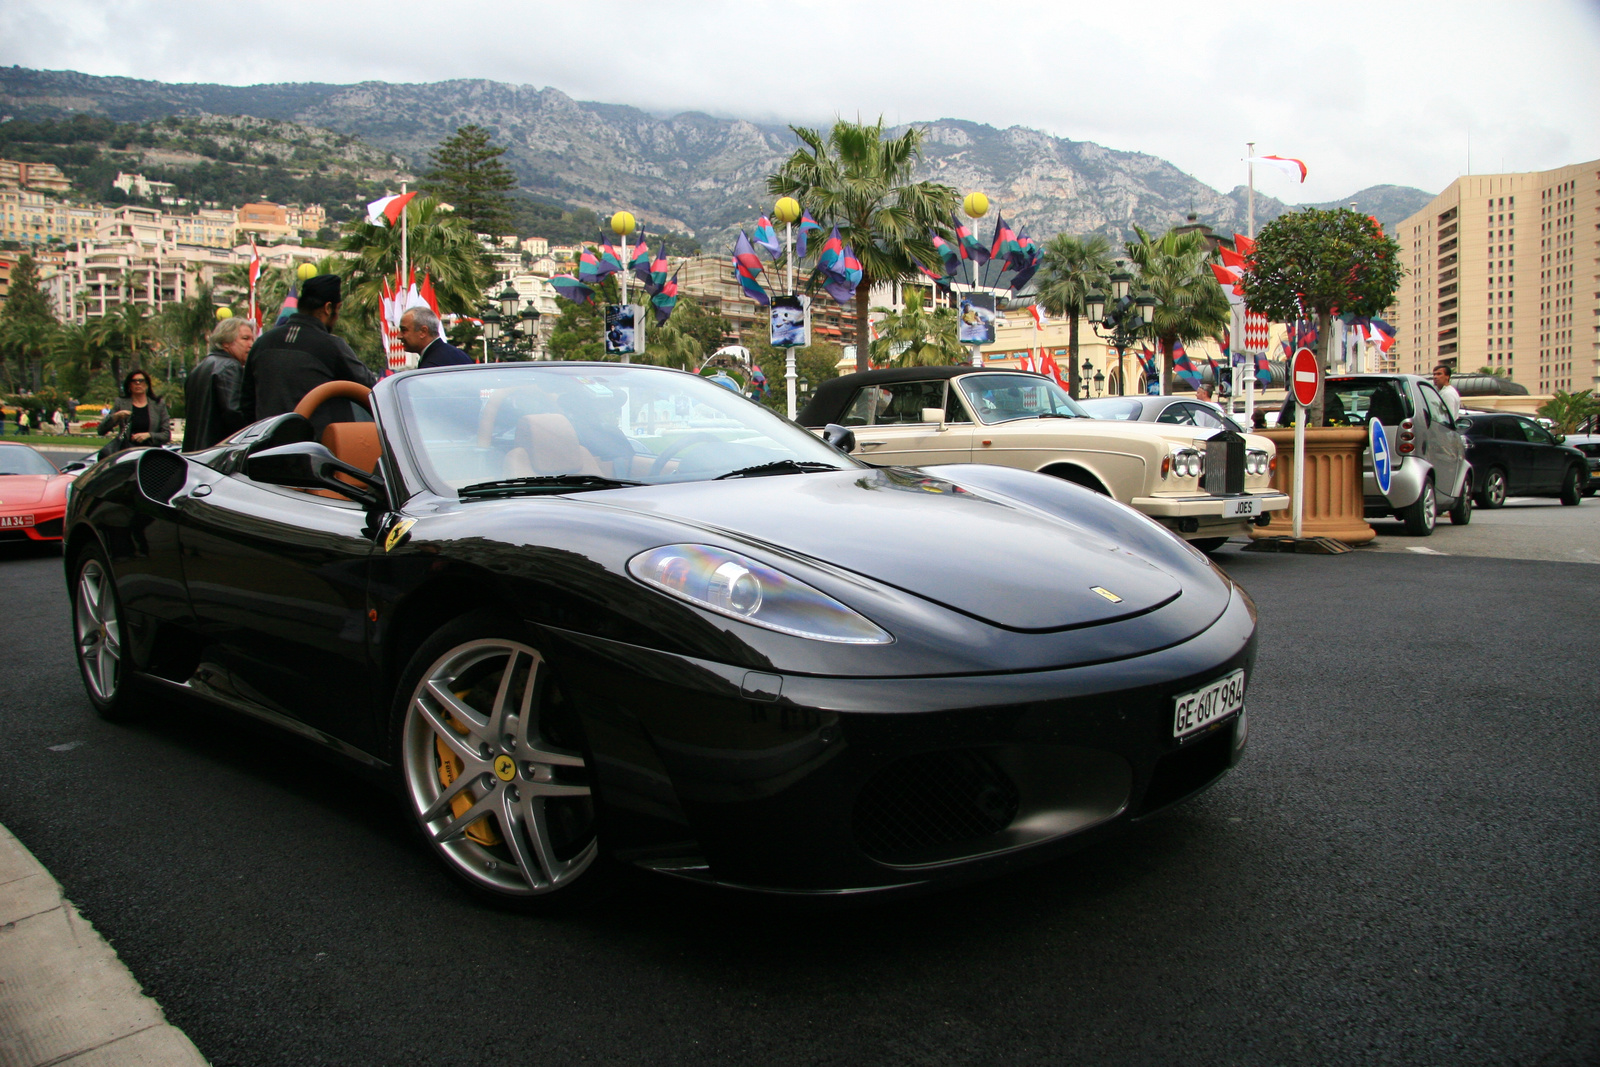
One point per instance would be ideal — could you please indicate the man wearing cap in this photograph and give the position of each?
(289, 361)
(419, 332)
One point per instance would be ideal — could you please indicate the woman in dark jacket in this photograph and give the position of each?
(138, 416)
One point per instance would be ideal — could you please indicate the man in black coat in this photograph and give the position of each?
(211, 391)
(419, 332)
(289, 361)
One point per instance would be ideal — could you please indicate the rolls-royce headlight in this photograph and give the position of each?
(1255, 462)
(1186, 463)
(741, 588)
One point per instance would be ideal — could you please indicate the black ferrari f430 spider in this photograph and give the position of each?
(592, 616)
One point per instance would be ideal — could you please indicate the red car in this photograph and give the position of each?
(33, 495)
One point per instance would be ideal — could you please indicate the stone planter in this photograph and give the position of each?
(1333, 506)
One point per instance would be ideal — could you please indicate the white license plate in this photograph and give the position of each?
(1201, 707)
(1241, 507)
(15, 520)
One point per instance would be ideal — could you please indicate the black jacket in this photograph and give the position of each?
(442, 353)
(160, 426)
(211, 401)
(289, 361)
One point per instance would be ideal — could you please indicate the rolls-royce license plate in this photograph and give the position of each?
(1199, 708)
(1241, 507)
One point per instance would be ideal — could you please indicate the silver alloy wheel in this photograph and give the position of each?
(483, 701)
(1430, 506)
(1494, 490)
(99, 631)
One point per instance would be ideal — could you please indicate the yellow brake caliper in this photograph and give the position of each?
(450, 768)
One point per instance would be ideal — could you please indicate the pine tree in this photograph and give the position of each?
(27, 302)
(27, 326)
(469, 175)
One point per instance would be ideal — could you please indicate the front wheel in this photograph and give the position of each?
(493, 768)
(1421, 516)
(1571, 488)
(1208, 545)
(1493, 493)
(97, 630)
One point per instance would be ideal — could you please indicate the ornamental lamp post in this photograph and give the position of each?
(508, 302)
(1125, 316)
(491, 329)
(530, 326)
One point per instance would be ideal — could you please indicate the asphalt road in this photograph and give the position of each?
(1404, 870)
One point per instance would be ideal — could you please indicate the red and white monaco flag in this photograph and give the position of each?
(1294, 168)
(1039, 319)
(388, 208)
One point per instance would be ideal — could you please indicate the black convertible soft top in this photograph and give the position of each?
(827, 403)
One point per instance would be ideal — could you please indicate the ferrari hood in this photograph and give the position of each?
(1003, 564)
(23, 489)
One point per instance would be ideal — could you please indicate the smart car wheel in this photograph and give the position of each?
(1461, 514)
(1493, 494)
(1571, 491)
(493, 768)
(97, 636)
(1421, 516)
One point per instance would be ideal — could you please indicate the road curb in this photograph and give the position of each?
(65, 998)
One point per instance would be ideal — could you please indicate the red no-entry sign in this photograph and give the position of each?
(1304, 376)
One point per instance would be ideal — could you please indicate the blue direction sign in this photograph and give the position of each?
(1382, 464)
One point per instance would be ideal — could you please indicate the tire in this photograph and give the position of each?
(1461, 514)
(1208, 545)
(1421, 517)
(1494, 491)
(98, 638)
(1571, 493)
(503, 798)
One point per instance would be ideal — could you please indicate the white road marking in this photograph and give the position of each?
(1425, 551)
(67, 747)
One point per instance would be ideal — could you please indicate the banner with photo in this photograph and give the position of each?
(790, 322)
(624, 329)
(977, 319)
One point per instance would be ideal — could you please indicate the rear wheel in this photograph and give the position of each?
(1461, 514)
(98, 636)
(493, 769)
(1208, 545)
(1421, 516)
(1493, 493)
(1571, 488)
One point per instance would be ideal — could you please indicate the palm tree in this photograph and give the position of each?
(669, 346)
(1072, 267)
(859, 181)
(123, 331)
(440, 245)
(1191, 306)
(186, 325)
(28, 342)
(1567, 410)
(915, 338)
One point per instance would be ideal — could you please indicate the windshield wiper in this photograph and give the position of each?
(1058, 415)
(555, 482)
(782, 466)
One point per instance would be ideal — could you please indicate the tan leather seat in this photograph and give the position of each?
(547, 445)
(356, 443)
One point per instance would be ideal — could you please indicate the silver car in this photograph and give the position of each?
(1168, 410)
(1430, 469)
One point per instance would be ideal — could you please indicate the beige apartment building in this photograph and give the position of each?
(1468, 301)
(40, 177)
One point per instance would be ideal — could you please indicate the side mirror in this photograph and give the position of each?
(840, 437)
(933, 415)
(309, 465)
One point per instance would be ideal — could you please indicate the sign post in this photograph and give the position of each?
(1305, 378)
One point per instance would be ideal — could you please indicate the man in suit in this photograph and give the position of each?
(419, 332)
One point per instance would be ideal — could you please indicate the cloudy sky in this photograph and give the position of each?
(1365, 92)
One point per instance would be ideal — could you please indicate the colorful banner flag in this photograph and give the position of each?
(806, 223)
(949, 254)
(1005, 246)
(639, 263)
(766, 238)
(588, 268)
(610, 260)
(1183, 367)
(569, 288)
(666, 297)
(746, 266)
(291, 304)
(971, 247)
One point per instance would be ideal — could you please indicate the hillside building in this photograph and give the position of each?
(142, 187)
(38, 177)
(1468, 302)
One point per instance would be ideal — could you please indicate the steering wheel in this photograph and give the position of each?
(682, 443)
(327, 391)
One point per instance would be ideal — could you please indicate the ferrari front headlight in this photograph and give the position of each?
(742, 588)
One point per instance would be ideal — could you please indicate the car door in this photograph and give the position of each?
(1516, 455)
(277, 582)
(891, 429)
(1547, 459)
(1440, 442)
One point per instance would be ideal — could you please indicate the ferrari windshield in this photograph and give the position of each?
(19, 459)
(1003, 397)
(563, 427)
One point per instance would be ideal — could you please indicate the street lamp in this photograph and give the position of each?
(1125, 316)
(508, 302)
(491, 329)
(530, 328)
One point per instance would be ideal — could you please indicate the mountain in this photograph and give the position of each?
(690, 171)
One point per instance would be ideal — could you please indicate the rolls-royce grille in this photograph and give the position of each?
(934, 799)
